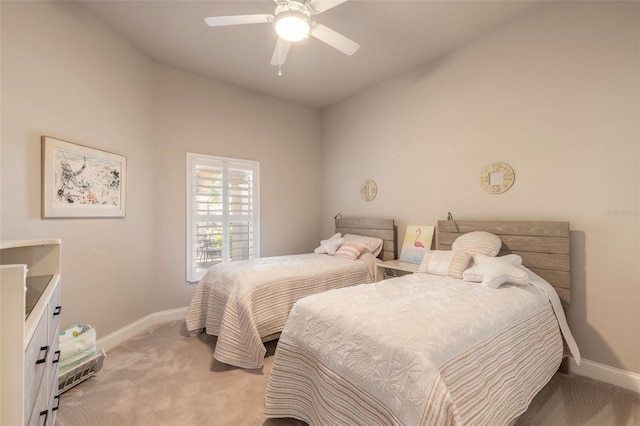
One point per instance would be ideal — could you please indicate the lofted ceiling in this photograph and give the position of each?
(394, 36)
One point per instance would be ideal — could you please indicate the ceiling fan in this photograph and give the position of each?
(292, 22)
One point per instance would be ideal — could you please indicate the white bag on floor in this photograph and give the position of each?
(77, 343)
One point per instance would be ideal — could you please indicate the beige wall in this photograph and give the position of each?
(555, 95)
(66, 75)
(197, 115)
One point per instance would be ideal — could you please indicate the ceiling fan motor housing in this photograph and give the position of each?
(292, 21)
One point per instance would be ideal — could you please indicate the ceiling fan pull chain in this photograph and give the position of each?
(279, 59)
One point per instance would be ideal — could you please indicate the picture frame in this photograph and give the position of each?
(78, 181)
(417, 241)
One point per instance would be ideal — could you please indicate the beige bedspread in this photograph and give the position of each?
(242, 302)
(415, 350)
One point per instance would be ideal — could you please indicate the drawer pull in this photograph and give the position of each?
(57, 310)
(44, 413)
(56, 354)
(57, 398)
(44, 358)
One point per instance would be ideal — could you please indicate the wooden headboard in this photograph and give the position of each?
(380, 228)
(543, 246)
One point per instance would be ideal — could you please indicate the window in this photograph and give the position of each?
(222, 212)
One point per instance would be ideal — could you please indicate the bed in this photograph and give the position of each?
(431, 348)
(247, 303)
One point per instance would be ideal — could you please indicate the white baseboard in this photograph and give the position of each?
(139, 326)
(604, 373)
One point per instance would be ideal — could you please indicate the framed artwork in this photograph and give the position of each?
(417, 240)
(78, 181)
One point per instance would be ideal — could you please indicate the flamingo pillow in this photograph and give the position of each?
(441, 262)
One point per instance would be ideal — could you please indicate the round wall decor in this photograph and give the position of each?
(369, 190)
(497, 178)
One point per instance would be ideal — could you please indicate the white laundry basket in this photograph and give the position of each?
(79, 356)
(71, 376)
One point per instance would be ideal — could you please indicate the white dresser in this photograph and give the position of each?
(29, 331)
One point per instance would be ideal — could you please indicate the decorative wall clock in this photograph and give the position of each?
(497, 178)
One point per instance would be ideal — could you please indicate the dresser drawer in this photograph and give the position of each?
(40, 411)
(54, 403)
(36, 358)
(54, 314)
(54, 358)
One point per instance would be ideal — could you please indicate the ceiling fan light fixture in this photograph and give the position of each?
(292, 25)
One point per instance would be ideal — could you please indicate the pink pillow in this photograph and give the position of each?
(441, 262)
(350, 250)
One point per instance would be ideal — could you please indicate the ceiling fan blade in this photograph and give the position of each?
(334, 39)
(319, 6)
(221, 21)
(280, 52)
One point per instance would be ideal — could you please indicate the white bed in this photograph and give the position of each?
(246, 303)
(421, 349)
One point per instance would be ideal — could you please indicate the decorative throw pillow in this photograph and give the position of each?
(495, 271)
(478, 242)
(330, 245)
(350, 250)
(373, 244)
(441, 262)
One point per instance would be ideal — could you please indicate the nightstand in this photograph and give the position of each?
(394, 268)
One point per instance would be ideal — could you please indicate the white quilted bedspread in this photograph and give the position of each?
(241, 278)
(421, 321)
(241, 302)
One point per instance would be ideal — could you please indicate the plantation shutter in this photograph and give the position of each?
(222, 212)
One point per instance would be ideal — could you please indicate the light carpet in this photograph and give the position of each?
(164, 377)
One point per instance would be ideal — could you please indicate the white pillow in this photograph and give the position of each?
(373, 244)
(495, 271)
(441, 262)
(478, 242)
(330, 245)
